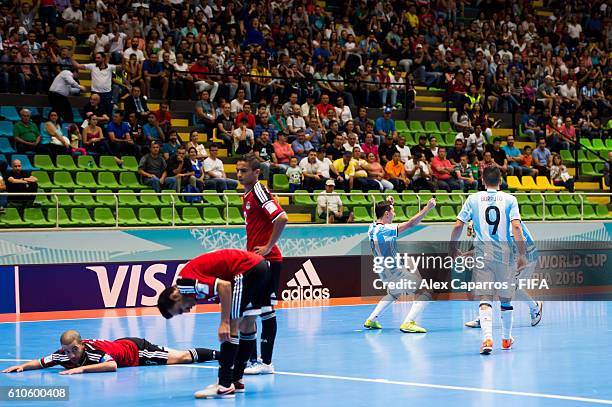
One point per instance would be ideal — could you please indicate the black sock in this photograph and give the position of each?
(200, 355)
(247, 342)
(226, 361)
(268, 335)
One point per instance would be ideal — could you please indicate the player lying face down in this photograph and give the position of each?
(78, 355)
(238, 280)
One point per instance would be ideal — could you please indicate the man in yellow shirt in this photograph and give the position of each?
(412, 17)
(345, 171)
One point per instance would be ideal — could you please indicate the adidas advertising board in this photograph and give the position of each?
(305, 285)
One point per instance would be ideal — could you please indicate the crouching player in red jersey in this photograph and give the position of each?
(238, 279)
(78, 355)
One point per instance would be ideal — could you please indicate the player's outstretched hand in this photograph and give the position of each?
(76, 370)
(431, 204)
(224, 332)
(13, 369)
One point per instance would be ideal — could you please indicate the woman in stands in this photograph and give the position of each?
(93, 139)
(52, 137)
(559, 174)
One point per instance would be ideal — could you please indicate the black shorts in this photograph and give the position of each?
(148, 353)
(271, 297)
(249, 291)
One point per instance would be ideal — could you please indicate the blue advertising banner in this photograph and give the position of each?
(7, 289)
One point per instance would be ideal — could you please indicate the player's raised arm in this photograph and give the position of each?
(416, 219)
(31, 365)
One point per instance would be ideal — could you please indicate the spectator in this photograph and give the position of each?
(63, 86)
(403, 149)
(343, 111)
(93, 139)
(433, 146)
(542, 158)
(21, 182)
(201, 78)
(29, 72)
(197, 166)
(26, 134)
(134, 50)
(476, 140)
(499, 156)
(101, 79)
(94, 107)
(215, 174)
(311, 169)
(326, 165)
(419, 171)
(396, 174)
(119, 138)
(264, 125)
(329, 205)
(385, 125)
(11, 72)
(52, 138)
(288, 106)
(137, 104)
(74, 135)
(294, 173)
(171, 148)
(195, 144)
(421, 148)
(514, 157)
(155, 76)
(152, 169)
(295, 121)
(546, 93)
(72, 17)
(369, 147)
(163, 116)
(205, 113)
(444, 172)
(3, 196)
(243, 138)
(336, 150)
(376, 173)
(301, 146)
(344, 169)
(559, 174)
(98, 41)
(606, 169)
(246, 113)
(264, 151)
(179, 170)
(152, 130)
(527, 161)
(225, 126)
(463, 172)
(530, 125)
(454, 155)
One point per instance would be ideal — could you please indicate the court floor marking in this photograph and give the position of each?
(408, 384)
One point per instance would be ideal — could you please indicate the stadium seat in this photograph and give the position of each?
(609, 144)
(558, 212)
(401, 126)
(168, 196)
(86, 180)
(408, 198)
(65, 201)
(528, 212)
(86, 200)
(104, 217)
(191, 216)
(361, 215)
(43, 162)
(303, 199)
(361, 200)
(166, 216)
(447, 213)
(432, 216)
(128, 198)
(107, 180)
(514, 183)
(129, 164)
(44, 182)
(87, 163)
(587, 170)
(400, 215)
(234, 200)
(63, 179)
(213, 199)
(528, 184)
(212, 216)
(59, 217)
(43, 200)
(108, 163)
(431, 128)
(25, 162)
(148, 217)
(11, 218)
(80, 217)
(35, 217)
(6, 147)
(567, 157)
(233, 216)
(9, 113)
(552, 199)
(572, 212)
(543, 183)
(594, 157)
(586, 143)
(6, 129)
(105, 200)
(547, 214)
(416, 127)
(152, 201)
(589, 212)
(127, 217)
(523, 199)
(65, 163)
(445, 127)
(280, 182)
(602, 212)
(569, 199)
(129, 180)
(598, 145)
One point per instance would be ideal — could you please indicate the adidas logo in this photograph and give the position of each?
(305, 285)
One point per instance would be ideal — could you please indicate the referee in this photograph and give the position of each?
(63, 86)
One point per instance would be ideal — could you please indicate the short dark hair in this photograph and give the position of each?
(251, 160)
(491, 176)
(165, 302)
(381, 208)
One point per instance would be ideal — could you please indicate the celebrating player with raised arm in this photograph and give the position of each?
(238, 280)
(383, 236)
(78, 355)
(265, 221)
(497, 224)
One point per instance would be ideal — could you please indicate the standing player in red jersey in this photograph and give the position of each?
(265, 221)
(238, 279)
(78, 355)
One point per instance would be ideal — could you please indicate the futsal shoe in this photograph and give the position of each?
(486, 347)
(239, 386)
(412, 328)
(536, 315)
(259, 367)
(473, 324)
(216, 391)
(369, 324)
(507, 343)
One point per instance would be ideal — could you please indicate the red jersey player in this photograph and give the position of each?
(238, 279)
(265, 221)
(78, 355)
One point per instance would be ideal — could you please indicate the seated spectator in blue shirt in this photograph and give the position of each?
(301, 146)
(265, 125)
(169, 149)
(542, 158)
(154, 75)
(152, 130)
(119, 138)
(385, 125)
(515, 158)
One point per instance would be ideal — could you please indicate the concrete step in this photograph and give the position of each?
(429, 99)
(431, 108)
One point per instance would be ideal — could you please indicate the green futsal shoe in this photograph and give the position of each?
(369, 324)
(412, 328)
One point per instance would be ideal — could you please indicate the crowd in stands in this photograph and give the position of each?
(296, 84)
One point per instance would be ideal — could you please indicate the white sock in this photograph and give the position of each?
(506, 317)
(523, 296)
(382, 305)
(486, 322)
(415, 311)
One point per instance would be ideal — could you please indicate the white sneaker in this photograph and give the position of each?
(536, 315)
(259, 367)
(216, 391)
(473, 324)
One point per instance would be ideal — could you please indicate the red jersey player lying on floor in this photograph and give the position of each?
(240, 281)
(78, 355)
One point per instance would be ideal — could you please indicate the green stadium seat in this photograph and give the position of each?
(361, 215)
(128, 198)
(552, 199)
(408, 198)
(104, 217)
(280, 182)
(11, 218)
(416, 127)
(443, 197)
(450, 140)
(572, 212)
(191, 215)
(105, 200)
(87, 163)
(536, 200)
(63, 179)
(233, 216)
(127, 217)
(547, 214)
(129, 180)
(602, 212)
(594, 157)
(445, 127)
(150, 200)
(212, 216)
(410, 211)
(43, 200)
(582, 158)
(346, 202)
(213, 199)
(234, 200)
(598, 145)
(432, 216)
(166, 216)
(609, 144)
(303, 199)
(129, 164)
(589, 212)
(86, 180)
(570, 199)
(362, 200)
(58, 216)
(587, 170)
(44, 182)
(567, 157)
(108, 163)
(35, 217)
(400, 215)
(447, 213)
(400, 126)
(65, 201)
(107, 180)
(523, 199)
(65, 163)
(431, 128)
(148, 216)
(81, 217)
(43, 162)
(168, 196)
(528, 212)
(557, 212)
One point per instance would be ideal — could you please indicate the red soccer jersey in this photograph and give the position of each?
(122, 351)
(260, 211)
(222, 264)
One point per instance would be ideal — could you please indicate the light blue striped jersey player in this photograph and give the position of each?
(383, 239)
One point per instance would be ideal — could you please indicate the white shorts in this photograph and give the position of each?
(495, 279)
(406, 280)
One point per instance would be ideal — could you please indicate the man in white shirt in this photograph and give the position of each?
(326, 163)
(403, 149)
(116, 44)
(101, 79)
(215, 174)
(73, 17)
(311, 168)
(236, 104)
(134, 50)
(295, 121)
(352, 143)
(329, 202)
(63, 86)
(99, 42)
(568, 92)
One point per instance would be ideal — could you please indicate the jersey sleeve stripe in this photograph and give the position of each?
(261, 194)
(276, 217)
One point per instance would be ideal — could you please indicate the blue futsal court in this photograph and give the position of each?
(323, 358)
